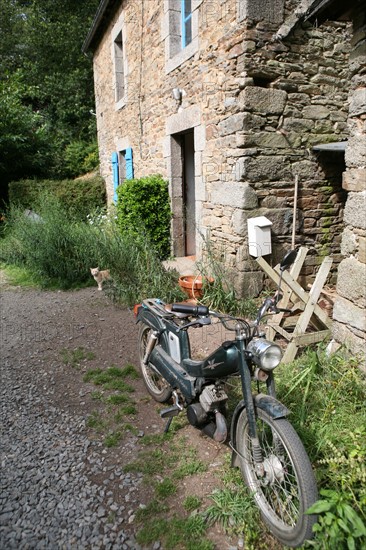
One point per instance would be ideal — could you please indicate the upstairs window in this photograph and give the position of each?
(119, 67)
(180, 31)
(119, 60)
(186, 22)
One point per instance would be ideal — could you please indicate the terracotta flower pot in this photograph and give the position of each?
(192, 285)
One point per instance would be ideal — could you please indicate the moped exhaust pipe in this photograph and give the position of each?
(217, 430)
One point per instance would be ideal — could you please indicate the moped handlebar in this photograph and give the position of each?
(195, 311)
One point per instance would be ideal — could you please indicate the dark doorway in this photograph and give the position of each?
(189, 195)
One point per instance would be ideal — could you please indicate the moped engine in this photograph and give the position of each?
(211, 400)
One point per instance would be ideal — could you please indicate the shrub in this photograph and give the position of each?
(144, 204)
(79, 197)
(60, 251)
(326, 396)
(80, 157)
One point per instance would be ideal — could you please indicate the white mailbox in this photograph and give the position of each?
(259, 236)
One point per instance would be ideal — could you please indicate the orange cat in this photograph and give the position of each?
(100, 276)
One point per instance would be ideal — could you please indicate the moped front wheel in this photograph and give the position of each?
(286, 488)
(155, 384)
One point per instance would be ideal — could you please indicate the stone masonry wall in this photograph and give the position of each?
(258, 105)
(349, 319)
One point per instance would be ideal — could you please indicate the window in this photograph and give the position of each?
(119, 58)
(186, 22)
(122, 169)
(119, 67)
(180, 31)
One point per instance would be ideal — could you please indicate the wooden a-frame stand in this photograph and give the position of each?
(312, 325)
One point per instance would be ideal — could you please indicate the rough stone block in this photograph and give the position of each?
(355, 343)
(351, 281)
(355, 210)
(356, 151)
(349, 242)
(354, 179)
(239, 195)
(348, 313)
(261, 10)
(316, 112)
(264, 168)
(362, 250)
(357, 104)
(232, 124)
(249, 284)
(267, 101)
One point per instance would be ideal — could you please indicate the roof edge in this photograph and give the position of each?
(94, 33)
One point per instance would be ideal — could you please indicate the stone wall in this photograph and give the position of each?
(257, 106)
(349, 311)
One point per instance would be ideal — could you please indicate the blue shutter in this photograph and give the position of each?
(115, 175)
(129, 164)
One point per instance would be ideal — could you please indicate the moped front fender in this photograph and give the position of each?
(270, 405)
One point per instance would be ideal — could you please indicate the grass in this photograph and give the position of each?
(76, 356)
(119, 406)
(19, 276)
(163, 469)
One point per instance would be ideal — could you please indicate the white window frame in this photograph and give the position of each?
(119, 30)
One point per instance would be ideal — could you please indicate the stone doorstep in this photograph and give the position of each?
(185, 265)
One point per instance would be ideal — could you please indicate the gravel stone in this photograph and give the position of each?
(50, 497)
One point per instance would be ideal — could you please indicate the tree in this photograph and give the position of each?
(46, 84)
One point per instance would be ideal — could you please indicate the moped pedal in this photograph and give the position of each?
(174, 410)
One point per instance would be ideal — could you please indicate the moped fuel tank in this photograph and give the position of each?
(221, 363)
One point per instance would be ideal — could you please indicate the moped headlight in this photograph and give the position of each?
(265, 354)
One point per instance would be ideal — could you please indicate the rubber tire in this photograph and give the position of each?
(150, 377)
(289, 535)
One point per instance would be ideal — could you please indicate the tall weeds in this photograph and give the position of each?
(59, 251)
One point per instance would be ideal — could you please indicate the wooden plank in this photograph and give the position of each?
(314, 294)
(280, 330)
(305, 317)
(287, 291)
(311, 337)
(296, 288)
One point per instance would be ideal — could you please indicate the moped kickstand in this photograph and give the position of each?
(172, 411)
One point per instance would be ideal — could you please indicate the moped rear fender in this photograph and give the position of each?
(144, 315)
(268, 404)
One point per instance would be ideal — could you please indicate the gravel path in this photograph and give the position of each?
(58, 489)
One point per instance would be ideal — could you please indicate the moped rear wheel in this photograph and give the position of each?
(155, 384)
(287, 488)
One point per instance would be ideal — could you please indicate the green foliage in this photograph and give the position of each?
(330, 418)
(76, 356)
(339, 526)
(24, 140)
(55, 250)
(177, 533)
(192, 502)
(46, 87)
(144, 204)
(220, 295)
(80, 157)
(59, 251)
(165, 488)
(78, 197)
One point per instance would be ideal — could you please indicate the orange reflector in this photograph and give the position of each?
(136, 309)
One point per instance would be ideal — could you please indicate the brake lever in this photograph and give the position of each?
(201, 321)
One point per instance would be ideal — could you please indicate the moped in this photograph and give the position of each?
(270, 454)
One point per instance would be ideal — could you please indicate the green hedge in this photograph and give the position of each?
(144, 205)
(79, 196)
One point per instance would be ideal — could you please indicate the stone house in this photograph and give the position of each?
(232, 101)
